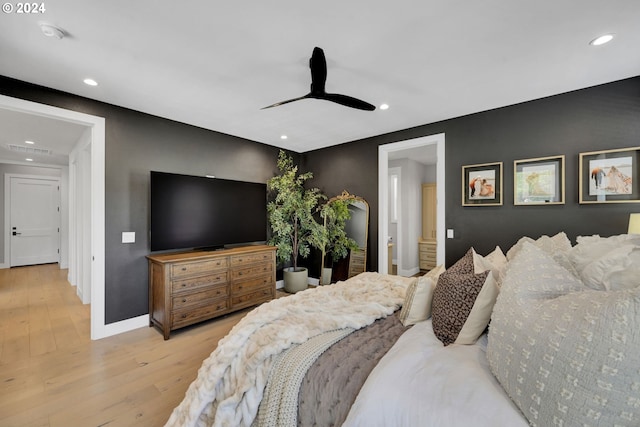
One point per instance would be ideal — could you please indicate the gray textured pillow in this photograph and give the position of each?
(566, 355)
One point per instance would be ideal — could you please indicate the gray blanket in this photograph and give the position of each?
(334, 380)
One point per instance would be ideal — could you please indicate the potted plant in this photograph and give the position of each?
(335, 244)
(291, 216)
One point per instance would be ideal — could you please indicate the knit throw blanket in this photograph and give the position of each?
(231, 381)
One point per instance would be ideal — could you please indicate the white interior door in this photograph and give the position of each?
(34, 221)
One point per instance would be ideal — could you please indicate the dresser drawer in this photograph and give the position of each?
(198, 298)
(429, 256)
(251, 258)
(252, 298)
(188, 269)
(199, 282)
(253, 271)
(238, 288)
(186, 317)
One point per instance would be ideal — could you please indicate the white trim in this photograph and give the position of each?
(383, 193)
(97, 124)
(125, 325)
(399, 223)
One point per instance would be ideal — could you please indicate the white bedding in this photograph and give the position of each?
(420, 382)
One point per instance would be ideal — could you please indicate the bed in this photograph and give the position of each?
(380, 350)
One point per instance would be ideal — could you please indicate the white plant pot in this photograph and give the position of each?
(326, 276)
(295, 280)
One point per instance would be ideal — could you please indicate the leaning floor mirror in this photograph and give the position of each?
(346, 223)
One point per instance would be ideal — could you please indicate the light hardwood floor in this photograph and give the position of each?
(52, 374)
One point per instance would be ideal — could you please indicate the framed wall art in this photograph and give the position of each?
(482, 184)
(539, 181)
(610, 176)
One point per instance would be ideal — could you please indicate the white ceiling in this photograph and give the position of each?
(215, 64)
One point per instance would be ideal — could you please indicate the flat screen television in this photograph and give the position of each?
(194, 212)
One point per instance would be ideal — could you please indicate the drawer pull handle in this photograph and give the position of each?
(184, 300)
(184, 285)
(184, 316)
(240, 273)
(184, 268)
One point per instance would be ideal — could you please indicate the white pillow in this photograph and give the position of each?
(607, 263)
(496, 262)
(417, 302)
(480, 314)
(551, 245)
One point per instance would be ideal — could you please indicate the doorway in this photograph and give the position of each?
(95, 259)
(384, 153)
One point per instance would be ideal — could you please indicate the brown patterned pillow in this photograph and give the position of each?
(454, 298)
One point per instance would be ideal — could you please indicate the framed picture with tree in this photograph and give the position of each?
(539, 181)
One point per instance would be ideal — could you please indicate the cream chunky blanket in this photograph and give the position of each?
(231, 381)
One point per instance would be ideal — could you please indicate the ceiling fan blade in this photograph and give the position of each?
(286, 102)
(318, 65)
(347, 101)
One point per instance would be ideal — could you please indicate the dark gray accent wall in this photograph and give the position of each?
(597, 118)
(137, 143)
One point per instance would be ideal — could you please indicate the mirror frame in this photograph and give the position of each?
(345, 195)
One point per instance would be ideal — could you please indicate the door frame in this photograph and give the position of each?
(96, 125)
(383, 194)
(7, 211)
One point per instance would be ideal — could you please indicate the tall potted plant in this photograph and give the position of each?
(335, 244)
(294, 229)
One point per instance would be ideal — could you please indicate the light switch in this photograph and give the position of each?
(449, 233)
(128, 237)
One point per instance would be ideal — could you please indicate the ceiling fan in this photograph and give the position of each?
(318, 65)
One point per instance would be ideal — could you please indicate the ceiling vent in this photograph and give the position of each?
(38, 151)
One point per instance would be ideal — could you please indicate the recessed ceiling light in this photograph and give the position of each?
(50, 30)
(283, 137)
(29, 160)
(90, 82)
(384, 106)
(29, 142)
(601, 40)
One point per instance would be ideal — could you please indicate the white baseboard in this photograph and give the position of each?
(122, 326)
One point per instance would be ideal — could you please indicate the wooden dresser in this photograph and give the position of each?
(427, 254)
(190, 287)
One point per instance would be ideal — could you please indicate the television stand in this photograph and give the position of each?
(191, 287)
